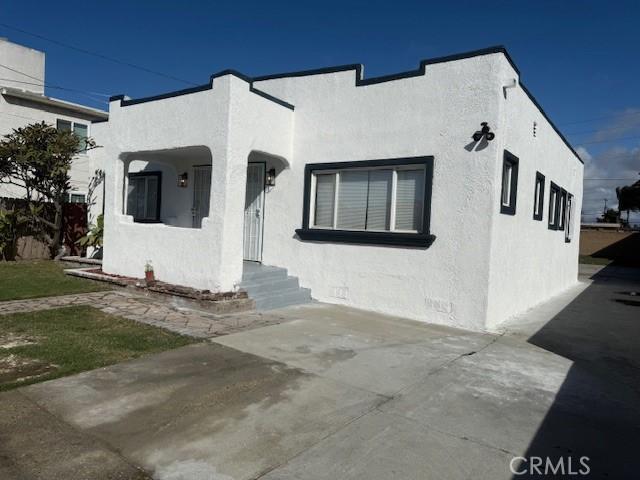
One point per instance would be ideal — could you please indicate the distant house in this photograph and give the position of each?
(22, 101)
(443, 194)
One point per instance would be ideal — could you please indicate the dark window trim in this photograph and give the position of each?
(421, 239)
(553, 222)
(157, 174)
(567, 225)
(510, 158)
(540, 178)
(562, 203)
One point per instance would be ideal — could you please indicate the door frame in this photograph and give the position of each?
(193, 197)
(264, 201)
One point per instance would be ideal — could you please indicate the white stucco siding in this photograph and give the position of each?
(434, 114)
(183, 256)
(529, 262)
(16, 113)
(230, 122)
(23, 59)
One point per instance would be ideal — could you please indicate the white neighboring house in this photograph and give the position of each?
(22, 102)
(371, 191)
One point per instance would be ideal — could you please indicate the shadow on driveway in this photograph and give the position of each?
(596, 411)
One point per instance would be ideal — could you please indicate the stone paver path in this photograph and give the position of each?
(152, 311)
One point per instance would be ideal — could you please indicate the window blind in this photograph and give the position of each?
(409, 197)
(352, 200)
(325, 196)
(379, 199)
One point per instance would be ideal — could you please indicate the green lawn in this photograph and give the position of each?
(42, 278)
(46, 344)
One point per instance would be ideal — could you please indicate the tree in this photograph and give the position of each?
(610, 216)
(37, 158)
(629, 197)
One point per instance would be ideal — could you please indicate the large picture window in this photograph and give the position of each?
(374, 201)
(143, 196)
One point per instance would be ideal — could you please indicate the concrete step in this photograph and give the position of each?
(257, 288)
(272, 287)
(284, 299)
(263, 274)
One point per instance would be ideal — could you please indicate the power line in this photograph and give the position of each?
(98, 55)
(604, 117)
(608, 141)
(22, 73)
(602, 130)
(90, 95)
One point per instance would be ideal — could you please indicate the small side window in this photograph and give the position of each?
(509, 193)
(538, 197)
(63, 125)
(568, 227)
(554, 206)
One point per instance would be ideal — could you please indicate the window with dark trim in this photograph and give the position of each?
(384, 202)
(143, 196)
(562, 209)
(509, 193)
(568, 227)
(538, 197)
(81, 130)
(554, 206)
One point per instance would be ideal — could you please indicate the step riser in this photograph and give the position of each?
(271, 287)
(260, 289)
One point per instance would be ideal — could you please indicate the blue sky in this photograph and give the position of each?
(579, 58)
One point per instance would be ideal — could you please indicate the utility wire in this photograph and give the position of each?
(98, 55)
(604, 117)
(92, 96)
(22, 73)
(608, 141)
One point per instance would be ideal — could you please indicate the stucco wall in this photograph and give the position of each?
(16, 113)
(230, 122)
(24, 59)
(434, 114)
(529, 262)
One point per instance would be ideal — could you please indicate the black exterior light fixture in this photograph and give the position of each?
(485, 132)
(182, 180)
(270, 180)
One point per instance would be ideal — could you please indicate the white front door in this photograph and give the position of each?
(253, 212)
(201, 194)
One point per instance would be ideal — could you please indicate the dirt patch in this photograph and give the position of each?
(12, 340)
(14, 368)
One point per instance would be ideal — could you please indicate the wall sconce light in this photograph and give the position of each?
(182, 180)
(270, 181)
(485, 131)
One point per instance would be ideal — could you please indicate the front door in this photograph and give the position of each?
(201, 192)
(253, 212)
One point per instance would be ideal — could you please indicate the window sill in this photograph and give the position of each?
(421, 240)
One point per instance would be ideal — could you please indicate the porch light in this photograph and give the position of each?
(270, 181)
(182, 180)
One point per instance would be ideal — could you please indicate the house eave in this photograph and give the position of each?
(92, 113)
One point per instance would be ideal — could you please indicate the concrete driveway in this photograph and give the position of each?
(335, 393)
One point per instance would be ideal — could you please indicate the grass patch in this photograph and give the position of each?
(42, 278)
(46, 344)
(588, 259)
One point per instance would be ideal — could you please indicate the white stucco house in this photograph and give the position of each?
(373, 192)
(23, 101)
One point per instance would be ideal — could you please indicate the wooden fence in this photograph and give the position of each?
(74, 226)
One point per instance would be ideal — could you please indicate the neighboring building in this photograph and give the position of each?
(370, 190)
(22, 101)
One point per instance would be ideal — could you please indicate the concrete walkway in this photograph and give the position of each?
(151, 310)
(336, 393)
